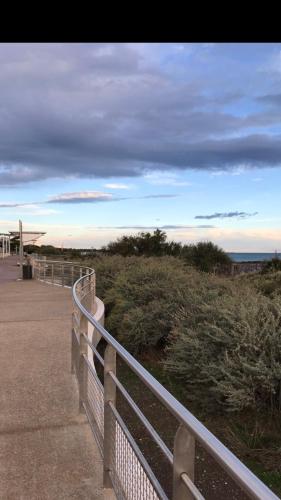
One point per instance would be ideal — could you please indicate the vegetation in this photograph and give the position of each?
(220, 337)
(214, 342)
(226, 349)
(205, 256)
(272, 265)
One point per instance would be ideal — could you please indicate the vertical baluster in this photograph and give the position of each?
(109, 421)
(83, 372)
(184, 458)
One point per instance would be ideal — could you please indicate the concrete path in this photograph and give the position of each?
(47, 451)
(9, 270)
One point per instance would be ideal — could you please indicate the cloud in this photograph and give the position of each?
(96, 197)
(226, 215)
(115, 110)
(274, 99)
(81, 197)
(117, 186)
(149, 196)
(165, 178)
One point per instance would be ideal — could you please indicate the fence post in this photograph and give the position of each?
(53, 273)
(109, 421)
(62, 275)
(184, 458)
(72, 348)
(83, 372)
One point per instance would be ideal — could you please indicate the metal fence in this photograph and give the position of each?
(126, 470)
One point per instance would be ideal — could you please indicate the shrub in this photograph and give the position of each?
(143, 301)
(272, 265)
(226, 348)
(269, 283)
(205, 256)
(107, 269)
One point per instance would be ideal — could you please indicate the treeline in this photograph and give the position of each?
(205, 256)
(52, 251)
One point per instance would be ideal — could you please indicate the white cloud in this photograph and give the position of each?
(165, 179)
(117, 186)
(80, 196)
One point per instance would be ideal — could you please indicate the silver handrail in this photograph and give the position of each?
(109, 428)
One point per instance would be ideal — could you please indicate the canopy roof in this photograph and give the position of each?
(27, 236)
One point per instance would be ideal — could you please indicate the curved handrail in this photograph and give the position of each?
(229, 462)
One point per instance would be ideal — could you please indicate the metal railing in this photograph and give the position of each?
(126, 470)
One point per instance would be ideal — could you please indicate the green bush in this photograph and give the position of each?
(205, 256)
(226, 348)
(107, 269)
(143, 301)
(220, 337)
(272, 265)
(269, 283)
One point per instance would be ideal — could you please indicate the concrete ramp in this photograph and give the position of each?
(47, 451)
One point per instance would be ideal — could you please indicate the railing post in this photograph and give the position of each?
(62, 275)
(109, 423)
(72, 275)
(72, 348)
(53, 273)
(83, 372)
(184, 460)
(45, 272)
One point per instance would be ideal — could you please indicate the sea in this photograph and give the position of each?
(251, 257)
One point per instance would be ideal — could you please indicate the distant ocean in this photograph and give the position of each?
(250, 257)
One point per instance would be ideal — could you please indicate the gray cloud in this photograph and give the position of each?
(270, 99)
(149, 196)
(86, 197)
(105, 110)
(226, 215)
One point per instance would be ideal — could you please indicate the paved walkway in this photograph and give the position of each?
(47, 451)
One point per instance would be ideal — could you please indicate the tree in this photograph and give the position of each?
(144, 243)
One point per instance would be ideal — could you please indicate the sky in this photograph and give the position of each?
(102, 140)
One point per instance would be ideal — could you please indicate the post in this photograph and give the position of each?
(109, 421)
(83, 372)
(72, 348)
(53, 273)
(62, 275)
(184, 458)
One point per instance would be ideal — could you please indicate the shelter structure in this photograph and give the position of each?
(5, 245)
(28, 237)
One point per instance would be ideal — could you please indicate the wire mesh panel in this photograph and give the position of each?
(95, 404)
(131, 476)
(75, 352)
